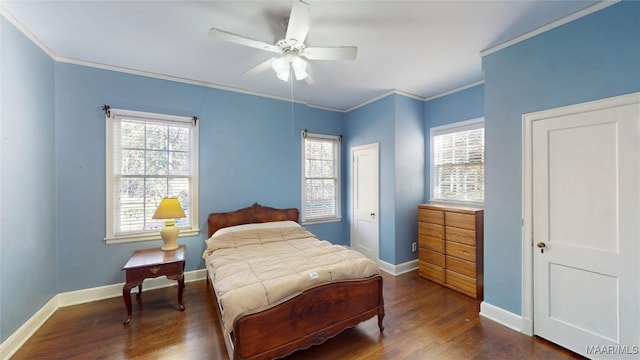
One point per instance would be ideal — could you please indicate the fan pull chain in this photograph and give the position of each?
(291, 97)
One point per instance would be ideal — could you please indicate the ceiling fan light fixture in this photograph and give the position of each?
(283, 75)
(281, 67)
(284, 64)
(299, 66)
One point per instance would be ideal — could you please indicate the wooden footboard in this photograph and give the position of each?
(308, 318)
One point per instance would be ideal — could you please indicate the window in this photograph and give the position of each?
(457, 162)
(320, 178)
(148, 157)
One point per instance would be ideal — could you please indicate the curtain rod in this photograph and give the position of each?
(107, 111)
(304, 135)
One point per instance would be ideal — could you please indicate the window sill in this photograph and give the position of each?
(457, 202)
(147, 237)
(320, 221)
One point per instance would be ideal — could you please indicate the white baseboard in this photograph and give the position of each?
(396, 270)
(503, 317)
(115, 290)
(24, 332)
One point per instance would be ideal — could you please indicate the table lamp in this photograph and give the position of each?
(169, 209)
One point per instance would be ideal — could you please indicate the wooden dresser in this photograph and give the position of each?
(450, 250)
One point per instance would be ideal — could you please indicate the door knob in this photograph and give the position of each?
(541, 245)
(373, 214)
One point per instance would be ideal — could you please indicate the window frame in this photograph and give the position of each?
(115, 114)
(459, 126)
(337, 143)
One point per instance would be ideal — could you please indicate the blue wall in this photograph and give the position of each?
(368, 124)
(28, 258)
(249, 152)
(409, 174)
(395, 122)
(594, 57)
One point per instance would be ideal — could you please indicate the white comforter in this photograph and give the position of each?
(256, 268)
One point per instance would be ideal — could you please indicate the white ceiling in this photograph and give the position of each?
(422, 48)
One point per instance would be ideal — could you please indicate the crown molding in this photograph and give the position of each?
(178, 79)
(25, 31)
(381, 96)
(552, 25)
(454, 90)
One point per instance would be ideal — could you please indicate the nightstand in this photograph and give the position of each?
(151, 263)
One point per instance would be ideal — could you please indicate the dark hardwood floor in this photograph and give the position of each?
(423, 321)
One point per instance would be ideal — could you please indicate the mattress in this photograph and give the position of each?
(256, 266)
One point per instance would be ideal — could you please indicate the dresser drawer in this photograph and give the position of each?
(460, 220)
(431, 257)
(429, 229)
(464, 283)
(135, 275)
(461, 251)
(431, 243)
(460, 266)
(431, 216)
(463, 236)
(431, 272)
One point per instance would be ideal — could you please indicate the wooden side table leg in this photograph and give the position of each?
(139, 291)
(126, 295)
(180, 279)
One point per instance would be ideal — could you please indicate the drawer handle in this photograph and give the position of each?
(154, 270)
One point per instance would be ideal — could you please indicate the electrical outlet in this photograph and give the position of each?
(414, 247)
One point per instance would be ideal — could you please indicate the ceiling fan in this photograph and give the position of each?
(291, 50)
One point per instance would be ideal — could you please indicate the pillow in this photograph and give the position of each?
(267, 225)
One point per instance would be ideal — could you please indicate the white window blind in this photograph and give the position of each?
(149, 156)
(458, 162)
(320, 177)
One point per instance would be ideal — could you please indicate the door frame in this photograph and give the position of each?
(528, 119)
(352, 150)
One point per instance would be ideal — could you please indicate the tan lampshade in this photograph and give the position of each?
(169, 208)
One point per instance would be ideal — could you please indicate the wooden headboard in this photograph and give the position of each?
(255, 213)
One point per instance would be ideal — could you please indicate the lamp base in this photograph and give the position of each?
(171, 248)
(169, 235)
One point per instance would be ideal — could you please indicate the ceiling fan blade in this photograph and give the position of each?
(298, 26)
(331, 53)
(231, 37)
(260, 68)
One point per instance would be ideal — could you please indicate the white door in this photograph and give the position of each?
(365, 236)
(586, 230)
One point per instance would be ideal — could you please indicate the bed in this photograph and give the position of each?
(330, 300)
